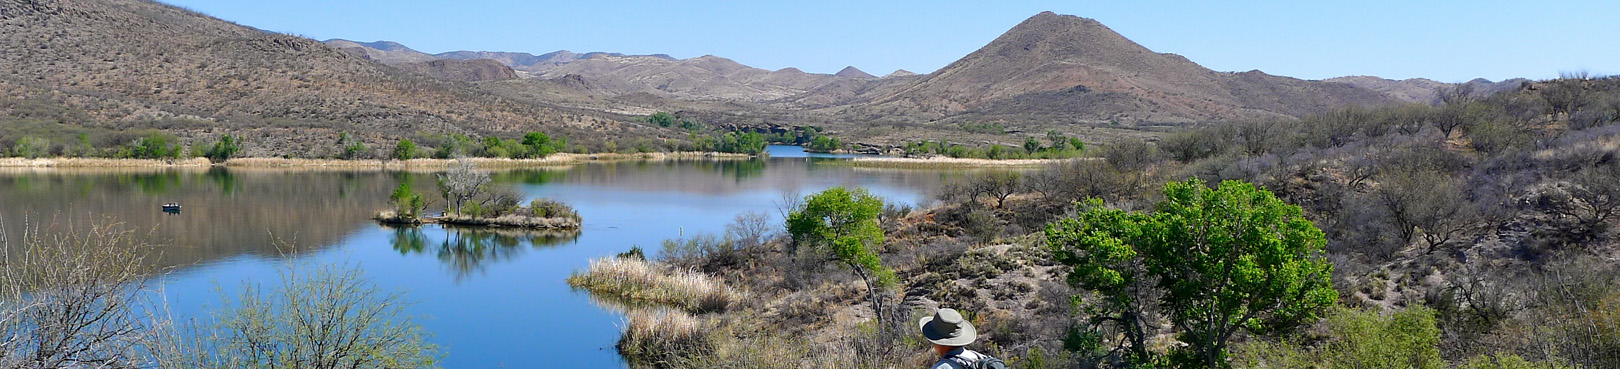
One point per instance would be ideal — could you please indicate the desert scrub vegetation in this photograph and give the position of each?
(321, 316)
(1055, 146)
(77, 296)
(1465, 234)
(636, 280)
(73, 298)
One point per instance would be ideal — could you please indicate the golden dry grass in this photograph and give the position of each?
(946, 163)
(510, 220)
(638, 280)
(99, 163)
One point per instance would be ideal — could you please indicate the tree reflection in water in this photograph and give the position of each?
(466, 251)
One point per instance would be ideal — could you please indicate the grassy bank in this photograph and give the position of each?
(637, 280)
(945, 163)
(100, 163)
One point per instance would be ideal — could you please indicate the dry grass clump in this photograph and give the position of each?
(637, 280)
(390, 216)
(511, 220)
(658, 337)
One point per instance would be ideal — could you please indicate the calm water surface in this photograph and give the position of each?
(491, 299)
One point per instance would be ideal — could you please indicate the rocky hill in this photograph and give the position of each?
(474, 70)
(1054, 66)
(387, 52)
(852, 72)
(121, 64)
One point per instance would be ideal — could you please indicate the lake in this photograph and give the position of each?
(491, 299)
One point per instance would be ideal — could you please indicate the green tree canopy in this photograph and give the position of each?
(405, 150)
(844, 223)
(1211, 262)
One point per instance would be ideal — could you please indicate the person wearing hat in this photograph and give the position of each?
(949, 333)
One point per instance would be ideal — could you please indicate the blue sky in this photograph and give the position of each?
(1449, 41)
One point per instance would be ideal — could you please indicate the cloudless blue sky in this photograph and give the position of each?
(1449, 41)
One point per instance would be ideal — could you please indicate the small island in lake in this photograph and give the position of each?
(471, 199)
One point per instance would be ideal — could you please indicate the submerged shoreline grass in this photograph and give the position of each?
(637, 280)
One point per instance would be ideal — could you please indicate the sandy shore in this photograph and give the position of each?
(553, 160)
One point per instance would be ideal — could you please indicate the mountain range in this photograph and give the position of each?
(119, 64)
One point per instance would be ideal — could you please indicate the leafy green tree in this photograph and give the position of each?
(155, 146)
(407, 202)
(223, 149)
(824, 144)
(454, 145)
(85, 149)
(1032, 146)
(662, 119)
(539, 145)
(1213, 262)
(31, 147)
(844, 223)
(405, 150)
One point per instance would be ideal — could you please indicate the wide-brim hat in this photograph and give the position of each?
(948, 328)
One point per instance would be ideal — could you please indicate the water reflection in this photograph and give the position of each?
(235, 218)
(467, 252)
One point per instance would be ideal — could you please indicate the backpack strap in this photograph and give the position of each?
(964, 361)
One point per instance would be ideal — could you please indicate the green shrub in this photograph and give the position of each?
(548, 208)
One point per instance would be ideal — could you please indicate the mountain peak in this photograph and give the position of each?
(852, 72)
(900, 73)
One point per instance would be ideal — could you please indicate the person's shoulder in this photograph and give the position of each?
(946, 363)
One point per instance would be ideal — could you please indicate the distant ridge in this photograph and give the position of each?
(1065, 67)
(134, 64)
(852, 72)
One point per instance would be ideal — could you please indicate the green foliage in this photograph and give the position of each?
(155, 146)
(751, 143)
(824, 144)
(548, 208)
(1031, 145)
(984, 128)
(844, 223)
(31, 147)
(540, 145)
(1220, 261)
(352, 148)
(453, 145)
(405, 150)
(407, 203)
(634, 253)
(223, 149)
(1062, 148)
(1366, 339)
(662, 119)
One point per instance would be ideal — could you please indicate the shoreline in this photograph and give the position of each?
(562, 159)
(940, 162)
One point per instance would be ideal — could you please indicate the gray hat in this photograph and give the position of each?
(948, 328)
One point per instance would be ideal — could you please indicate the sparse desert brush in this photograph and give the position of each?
(512, 220)
(390, 216)
(638, 280)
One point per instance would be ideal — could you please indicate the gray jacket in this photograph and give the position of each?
(957, 358)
